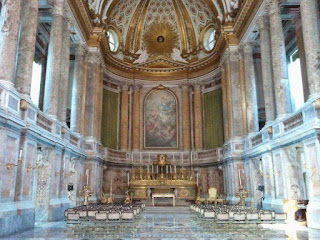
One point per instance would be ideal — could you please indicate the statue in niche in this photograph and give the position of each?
(142, 58)
(176, 56)
(43, 154)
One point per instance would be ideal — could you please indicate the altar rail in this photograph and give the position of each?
(179, 158)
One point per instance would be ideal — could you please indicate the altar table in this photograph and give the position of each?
(164, 195)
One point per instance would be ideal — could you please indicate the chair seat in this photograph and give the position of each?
(114, 216)
(209, 214)
(101, 216)
(127, 215)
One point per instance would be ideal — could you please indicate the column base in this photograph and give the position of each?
(313, 214)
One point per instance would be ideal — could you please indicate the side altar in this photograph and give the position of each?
(162, 178)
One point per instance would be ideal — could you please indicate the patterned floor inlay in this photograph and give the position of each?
(167, 223)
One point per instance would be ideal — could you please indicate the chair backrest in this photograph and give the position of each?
(212, 193)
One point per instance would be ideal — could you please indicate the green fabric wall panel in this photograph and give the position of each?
(109, 135)
(213, 115)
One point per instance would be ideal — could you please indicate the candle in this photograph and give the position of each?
(87, 174)
(20, 154)
(170, 169)
(152, 169)
(128, 175)
(239, 178)
(197, 179)
(175, 169)
(148, 169)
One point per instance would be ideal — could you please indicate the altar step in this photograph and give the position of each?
(161, 202)
(167, 210)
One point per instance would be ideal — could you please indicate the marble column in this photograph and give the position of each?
(236, 126)
(186, 118)
(267, 72)
(9, 32)
(136, 118)
(302, 55)
(78, 85)
(311, 37)
(124, 117)
(64, 77)
(51, 95)
(250, 90)
(28, 33)
(279, 61)
(224, 103)
(94, 70)
(198, 128)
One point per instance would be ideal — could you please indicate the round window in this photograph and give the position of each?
(209, 40)
(113, 40)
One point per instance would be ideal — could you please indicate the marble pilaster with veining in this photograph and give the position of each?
(124, 118)
(186, 118)
(198, 125)
(136, 118)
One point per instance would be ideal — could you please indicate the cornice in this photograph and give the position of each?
(81, 13)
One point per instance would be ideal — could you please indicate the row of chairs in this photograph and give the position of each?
(237, 214)
(104, 213)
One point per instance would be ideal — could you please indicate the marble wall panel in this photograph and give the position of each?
(118, 175)
(8, 176)
(211, 177)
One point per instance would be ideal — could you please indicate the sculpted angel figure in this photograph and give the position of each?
(176, 56)
(142, 58)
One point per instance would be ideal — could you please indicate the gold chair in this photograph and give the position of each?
(212, 195)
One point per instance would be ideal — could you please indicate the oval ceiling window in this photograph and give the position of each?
(209, 40)
(113, 40)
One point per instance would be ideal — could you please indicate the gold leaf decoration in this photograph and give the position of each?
(160, 39)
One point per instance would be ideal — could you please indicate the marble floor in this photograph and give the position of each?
(167, 223)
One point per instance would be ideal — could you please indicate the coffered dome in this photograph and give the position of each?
(162, 36)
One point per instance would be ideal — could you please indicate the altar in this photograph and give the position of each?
(164, 195)
(162, 178)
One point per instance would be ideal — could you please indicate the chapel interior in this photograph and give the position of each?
(159, 119)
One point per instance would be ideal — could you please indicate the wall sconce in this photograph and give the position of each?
(29, 169)
(11, 165)
(69, 174)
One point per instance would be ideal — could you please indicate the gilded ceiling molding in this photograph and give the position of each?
(113, 4)
(189, 26)
(82, 16)
(182, 30)
(214, 10)
(244, 15)
(133, 26)
(140, 27)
